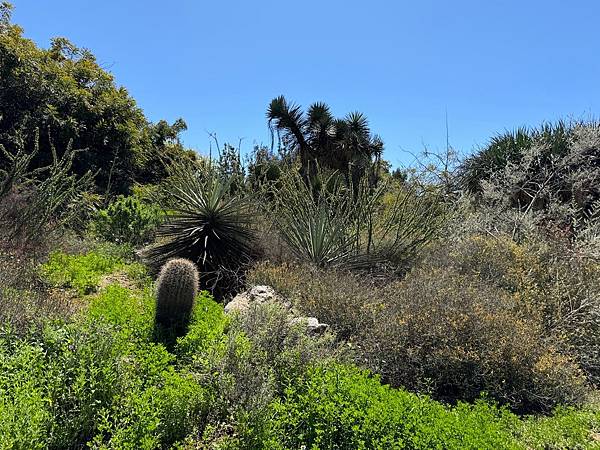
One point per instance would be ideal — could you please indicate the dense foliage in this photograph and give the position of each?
(457, 302)
(127, 220)
(242, 382)
(64, 93)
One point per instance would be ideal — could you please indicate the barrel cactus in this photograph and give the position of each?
(176, 289)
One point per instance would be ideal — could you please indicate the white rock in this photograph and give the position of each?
(259, 295)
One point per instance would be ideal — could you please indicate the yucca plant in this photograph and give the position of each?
(205, 224)
(316, 227)
(332, 223)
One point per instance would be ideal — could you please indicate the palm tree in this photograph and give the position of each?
(317, 138)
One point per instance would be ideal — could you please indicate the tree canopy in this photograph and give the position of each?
(64, 93)
(318, 138)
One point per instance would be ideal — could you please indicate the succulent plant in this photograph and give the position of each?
(176, 289)
(207, 225)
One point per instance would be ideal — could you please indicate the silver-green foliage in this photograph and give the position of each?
(331, 223)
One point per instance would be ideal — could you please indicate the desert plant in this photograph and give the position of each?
(36, 201)
(453, 336)
(330, 223)
(552, 170)
(553, 281)
(345, 300)
(206, 225)
(317, 138)
(176, 289)
(316, 227)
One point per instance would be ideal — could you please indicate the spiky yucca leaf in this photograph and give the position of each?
(315, 227)
(206, 225)
(330, 223)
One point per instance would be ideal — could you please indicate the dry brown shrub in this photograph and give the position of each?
(454, 337)
(553, 282)
(344, 300)
(25, 300)
(440, 331)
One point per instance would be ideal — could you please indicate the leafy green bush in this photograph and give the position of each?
(127, 220)
(343, 407)
(340, 407)
(82, 272)
(99, 380)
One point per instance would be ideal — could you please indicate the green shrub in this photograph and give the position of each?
(99, 380)
(176, 289)
(567, 428)
(207, 327)
(81, 272)
(249, 365)
(127, 220)
(342, 407)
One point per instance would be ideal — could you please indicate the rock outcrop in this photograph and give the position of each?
(260, 295)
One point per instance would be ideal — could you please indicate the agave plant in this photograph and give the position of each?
(510, 147)
(330, 223)
(316, 227)
(206, 224)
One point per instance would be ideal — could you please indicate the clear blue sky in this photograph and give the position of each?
(492, 65)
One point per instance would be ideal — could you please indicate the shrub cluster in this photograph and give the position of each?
(127, 220)
(244, 381)
(477, 315)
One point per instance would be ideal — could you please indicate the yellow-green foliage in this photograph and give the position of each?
(81, 272)
(84, 272)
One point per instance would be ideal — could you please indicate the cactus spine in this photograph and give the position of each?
(176, 289)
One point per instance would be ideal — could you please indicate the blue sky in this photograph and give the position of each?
(492, 65)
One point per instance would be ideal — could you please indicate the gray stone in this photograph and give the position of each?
(257, 295)
(313, 326)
